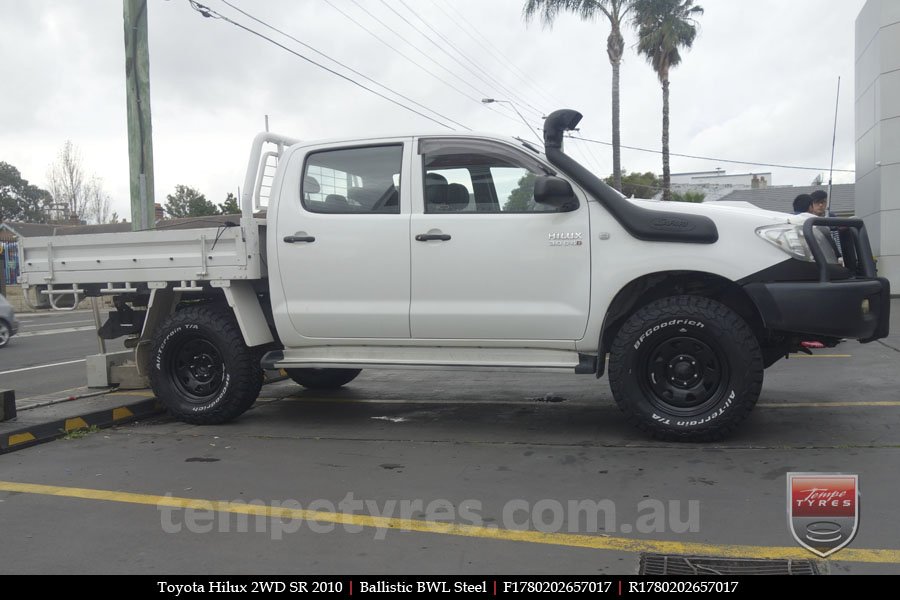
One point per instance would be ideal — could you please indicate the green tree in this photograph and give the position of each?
(688, 197)
(19, 200)
(638, 185)
(230, 206)
(188, 202)
(521, 199)
(665, 26)
(615, 12)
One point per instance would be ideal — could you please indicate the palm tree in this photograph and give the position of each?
(615, 11)
(663, 27)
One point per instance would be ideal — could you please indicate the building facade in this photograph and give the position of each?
(877, 103)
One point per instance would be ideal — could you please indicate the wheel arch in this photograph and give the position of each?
(252, 313)
(653, 286)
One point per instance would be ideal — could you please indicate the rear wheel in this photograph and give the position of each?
(686, 368)
(323, 379)
(202, 370)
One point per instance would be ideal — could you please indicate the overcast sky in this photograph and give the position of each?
(758, 85)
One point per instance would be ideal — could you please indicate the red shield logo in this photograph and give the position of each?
(823, 510)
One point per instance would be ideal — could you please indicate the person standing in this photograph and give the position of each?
(819, 208)
(802, 204)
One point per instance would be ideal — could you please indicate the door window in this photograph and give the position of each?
(478, 178)
(353, 180)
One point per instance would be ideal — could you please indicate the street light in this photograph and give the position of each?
(493, 100)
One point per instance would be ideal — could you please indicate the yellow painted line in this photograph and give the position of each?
(821, 355)
(76, 423)
(594, 542)
(827, 404)
(121, 413)
(20, 438)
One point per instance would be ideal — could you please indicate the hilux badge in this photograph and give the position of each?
(574, 238)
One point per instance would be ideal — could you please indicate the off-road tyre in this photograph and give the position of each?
(686, 368)
(202, 371)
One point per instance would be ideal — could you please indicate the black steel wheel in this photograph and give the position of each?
(198, 369)
(202, 370)
(686, 368)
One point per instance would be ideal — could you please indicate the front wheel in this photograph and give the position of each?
(202, 370)
(686, 368)
(5, 333)
(323, 379)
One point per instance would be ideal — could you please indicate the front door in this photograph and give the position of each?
(342, 241)
(488, 262)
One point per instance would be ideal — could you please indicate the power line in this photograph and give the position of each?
(494, 51)
(406, 57)
(590, 151)
(712, 159)
(210, 13)
(495, 80)
(444, 50)
(351, 69)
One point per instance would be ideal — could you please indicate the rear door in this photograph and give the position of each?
(342, 243)
(488, 262)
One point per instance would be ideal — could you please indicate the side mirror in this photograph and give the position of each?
(556, 192)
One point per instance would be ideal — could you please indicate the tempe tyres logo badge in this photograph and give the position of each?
(823, 510)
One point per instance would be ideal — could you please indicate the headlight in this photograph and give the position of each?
(789, 238)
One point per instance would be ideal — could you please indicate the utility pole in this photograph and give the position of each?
(140, 136)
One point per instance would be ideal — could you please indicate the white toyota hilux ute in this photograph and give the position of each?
(469, 251)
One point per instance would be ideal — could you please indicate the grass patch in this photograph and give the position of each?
(77, 434)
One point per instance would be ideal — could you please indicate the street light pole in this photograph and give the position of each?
(492, 101)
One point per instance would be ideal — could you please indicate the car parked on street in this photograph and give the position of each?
(8, 324)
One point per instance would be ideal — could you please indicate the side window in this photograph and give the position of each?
(481, 179)
(353, 180)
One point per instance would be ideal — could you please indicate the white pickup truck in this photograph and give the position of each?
(467, 251)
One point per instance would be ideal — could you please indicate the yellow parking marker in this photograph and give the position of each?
(121, 413)
(593, 542)
(75, 423)
(20, 438)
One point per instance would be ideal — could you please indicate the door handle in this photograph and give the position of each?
(426, 237)
(293, 239)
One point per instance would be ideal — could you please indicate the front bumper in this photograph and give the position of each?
(858, 307)
(855, 308)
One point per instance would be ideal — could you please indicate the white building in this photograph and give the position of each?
(720, 177)
(877, 100)
(714, 185)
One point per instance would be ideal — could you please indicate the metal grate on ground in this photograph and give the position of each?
(667, 564)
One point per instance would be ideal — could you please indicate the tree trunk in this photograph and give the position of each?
(615, 46)
(667, 191)
(616, 142)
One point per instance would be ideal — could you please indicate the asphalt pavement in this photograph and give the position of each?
(455, 472)
(47, 355)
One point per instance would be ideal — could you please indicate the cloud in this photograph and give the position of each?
(758, 84)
